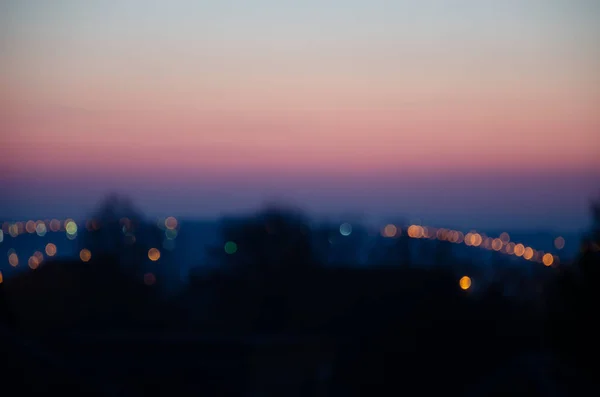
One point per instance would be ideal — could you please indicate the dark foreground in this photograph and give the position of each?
(322, 332)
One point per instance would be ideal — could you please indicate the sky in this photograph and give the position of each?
(464, 112)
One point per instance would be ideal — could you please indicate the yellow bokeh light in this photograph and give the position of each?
(1, 278)
(548, 259)
(153, 254)
(85, 255)
(13, 259)
(505, 238)
(71, 227)
(465, 282)
(559, 243)
(50, 249)
(390, 231)
(528, 254)
(519, 249)
(13, 230)
(40, 228)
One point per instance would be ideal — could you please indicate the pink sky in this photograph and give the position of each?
(356, 92)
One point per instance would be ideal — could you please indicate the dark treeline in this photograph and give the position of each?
(270, 319)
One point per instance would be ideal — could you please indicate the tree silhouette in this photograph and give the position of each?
(275, 240)
(118, 233)
(573, 299)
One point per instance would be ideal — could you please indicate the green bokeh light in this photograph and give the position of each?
(230, 247)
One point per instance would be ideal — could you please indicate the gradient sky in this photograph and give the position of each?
(468, 113)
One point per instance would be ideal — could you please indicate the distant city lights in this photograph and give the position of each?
(230, 248)
(13, 259)
(71, 227)
(33, 262)
(50, 249)
(465, 282)
(85, 255)
(345, 229)
(170, 227)
(153, 254)
(40, 229)
(171, 223)
(390, 231)
(548, 259)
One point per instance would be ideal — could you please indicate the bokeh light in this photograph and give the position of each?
(13, 230)
(465, 282)
(390, 231)
(40, 229)
(496, 244)
(171, 234)
(510, 248)
(149, 279)
(559, 243)
(171, 223)
(1, 278)
(345, 229)
(230, 247)
(519, 250)
(477, 239)
(85, 255)
(30, 227)
(415, 231)
(33, 262)
(548, 260)
(71, 227)
(153, 254)
(13, 259)
(55, 225)
(50, 249)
